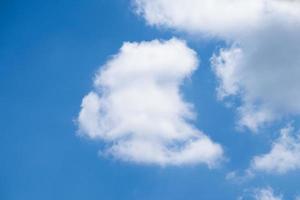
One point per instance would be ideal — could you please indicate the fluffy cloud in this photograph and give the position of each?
(138, 110)
(261, 66)
(284, 155)
(225, 18)
(266, 194)
(264, 71)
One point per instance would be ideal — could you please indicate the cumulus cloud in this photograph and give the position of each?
(137, 109)
(261, 65)
(264, 71)
(224, 18)
(284, 155)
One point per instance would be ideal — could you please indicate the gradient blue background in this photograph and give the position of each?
(49, 52)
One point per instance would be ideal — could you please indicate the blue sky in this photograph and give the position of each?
(49, 54)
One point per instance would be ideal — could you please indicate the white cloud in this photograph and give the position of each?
(138, 110)
(263, 70)
(262, 67)
(266, 194)
(284, 155)
(225, 18)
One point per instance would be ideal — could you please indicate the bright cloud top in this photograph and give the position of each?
(284, 155)
(138, 110)
(214, 17)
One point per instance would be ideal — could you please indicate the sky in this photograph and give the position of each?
(150, 99)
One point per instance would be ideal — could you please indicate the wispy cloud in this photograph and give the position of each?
(266, 194)
(284, 155)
